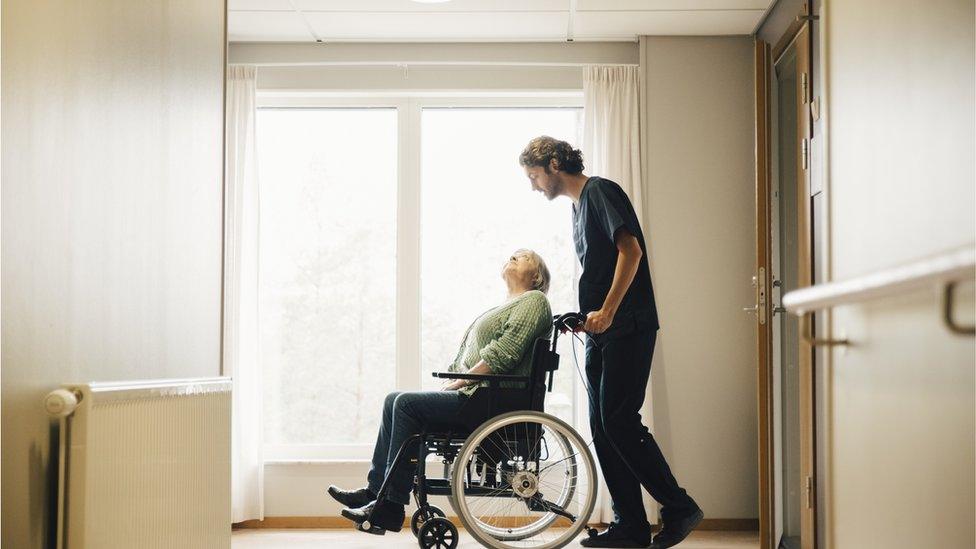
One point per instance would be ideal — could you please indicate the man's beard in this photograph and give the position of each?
(554, 191)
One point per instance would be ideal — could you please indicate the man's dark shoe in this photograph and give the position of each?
(377, 517)
(677, 529)
(352, 498)
(614, 536)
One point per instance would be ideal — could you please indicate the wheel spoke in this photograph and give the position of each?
(512, 447)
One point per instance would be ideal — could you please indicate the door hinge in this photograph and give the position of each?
(805, 153)
(761, 290)
(809, 492)
(804, 89)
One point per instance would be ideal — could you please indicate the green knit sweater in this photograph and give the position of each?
(504, 338)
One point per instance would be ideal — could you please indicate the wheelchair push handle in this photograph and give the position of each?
(568, 322)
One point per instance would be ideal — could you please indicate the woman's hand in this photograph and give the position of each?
(453, 385)
(480, 368)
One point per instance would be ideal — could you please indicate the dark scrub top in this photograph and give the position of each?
(604, 209)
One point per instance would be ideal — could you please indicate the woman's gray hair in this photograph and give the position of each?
(542, 278)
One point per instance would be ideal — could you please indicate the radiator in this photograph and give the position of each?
(144, 464)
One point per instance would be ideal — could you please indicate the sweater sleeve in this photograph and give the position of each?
(456, 365)
(527, 321)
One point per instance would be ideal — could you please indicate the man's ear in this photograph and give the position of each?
(553, 165)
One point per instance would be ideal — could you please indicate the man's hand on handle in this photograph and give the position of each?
(598, 321)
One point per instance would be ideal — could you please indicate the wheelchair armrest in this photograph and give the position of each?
(480, 377)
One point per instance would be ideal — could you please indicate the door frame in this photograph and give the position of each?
(805, 364)
(763, 278)
(798, 35)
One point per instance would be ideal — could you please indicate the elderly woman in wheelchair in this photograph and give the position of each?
(515, 476)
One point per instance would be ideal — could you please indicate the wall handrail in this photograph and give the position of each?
(942, 270)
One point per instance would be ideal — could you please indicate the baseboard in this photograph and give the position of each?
(745, 525)
(729, 525)
(340, 522)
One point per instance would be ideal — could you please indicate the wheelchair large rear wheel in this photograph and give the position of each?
(532, 484)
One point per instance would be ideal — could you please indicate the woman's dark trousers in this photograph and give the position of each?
(404, 414)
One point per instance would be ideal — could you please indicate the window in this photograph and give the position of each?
(327, 271)
(384, 225)
(477, 209)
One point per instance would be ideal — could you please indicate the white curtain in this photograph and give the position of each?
(612, 149)
(241, 342)
(611, 127)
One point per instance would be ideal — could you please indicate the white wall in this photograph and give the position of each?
(427, 67)
(416, 78)
(900, 129)
(700, 179)
(432, 53)
(112, 171)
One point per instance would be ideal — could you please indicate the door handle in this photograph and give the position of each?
(759, 309)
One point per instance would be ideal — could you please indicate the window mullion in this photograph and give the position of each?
(408, 246)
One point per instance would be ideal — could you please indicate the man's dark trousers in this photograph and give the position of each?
(617, 370)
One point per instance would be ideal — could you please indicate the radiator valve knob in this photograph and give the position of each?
(60, 403)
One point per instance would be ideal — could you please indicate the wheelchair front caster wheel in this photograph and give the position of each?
(439, 533)
(420, 517)
(592, 532)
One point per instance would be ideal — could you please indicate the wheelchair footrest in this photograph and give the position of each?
(371, 528)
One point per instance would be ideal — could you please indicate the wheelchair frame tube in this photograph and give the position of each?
(396, 463)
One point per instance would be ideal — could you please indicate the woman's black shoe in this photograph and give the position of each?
(613, 536)
(377, 517)
(352, 498)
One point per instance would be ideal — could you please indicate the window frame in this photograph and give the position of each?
(409, 108)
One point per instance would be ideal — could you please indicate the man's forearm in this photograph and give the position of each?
(628, 259)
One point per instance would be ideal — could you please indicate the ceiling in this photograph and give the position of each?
(487, 20)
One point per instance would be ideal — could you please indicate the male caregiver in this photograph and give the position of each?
(616, 295)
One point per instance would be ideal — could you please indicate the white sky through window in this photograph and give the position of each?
(477, 207)
(328, 234)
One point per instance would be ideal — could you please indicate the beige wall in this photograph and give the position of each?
(900, 96)
(700, 186)
(112, 170)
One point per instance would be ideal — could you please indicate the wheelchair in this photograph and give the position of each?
(515, 476)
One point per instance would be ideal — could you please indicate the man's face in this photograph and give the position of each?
(548, 183)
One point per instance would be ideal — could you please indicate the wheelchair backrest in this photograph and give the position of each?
(544, 362)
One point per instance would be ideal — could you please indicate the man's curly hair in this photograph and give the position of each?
(541, 150)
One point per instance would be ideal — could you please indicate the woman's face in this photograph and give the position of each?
(520, 267)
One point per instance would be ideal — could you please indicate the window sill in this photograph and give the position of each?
(349, 461)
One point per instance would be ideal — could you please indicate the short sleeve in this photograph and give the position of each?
(611, 210)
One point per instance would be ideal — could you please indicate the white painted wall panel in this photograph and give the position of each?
(900, 99)
(111, 213)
